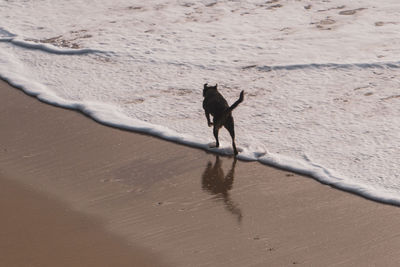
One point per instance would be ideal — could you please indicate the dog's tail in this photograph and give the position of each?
(234, 105)
(228, 111)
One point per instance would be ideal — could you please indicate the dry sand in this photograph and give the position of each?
(77, 193)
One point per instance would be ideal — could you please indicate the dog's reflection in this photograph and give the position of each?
(216, 183)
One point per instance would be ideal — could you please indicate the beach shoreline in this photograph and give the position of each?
(186, 206)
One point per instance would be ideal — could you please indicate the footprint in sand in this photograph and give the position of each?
(332, 8)
(135, 8)
(325, 23)
(382, 23)
(351, 12)
(275, 6)
(391, 97)
(271, 2)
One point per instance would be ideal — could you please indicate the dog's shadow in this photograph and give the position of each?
(216, 183)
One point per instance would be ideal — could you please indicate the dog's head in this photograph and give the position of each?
(207, 88)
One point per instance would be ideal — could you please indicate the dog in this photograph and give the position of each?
(215, 104)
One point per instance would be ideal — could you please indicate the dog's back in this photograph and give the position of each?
(214, 102)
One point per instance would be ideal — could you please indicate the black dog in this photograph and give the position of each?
(215, 104)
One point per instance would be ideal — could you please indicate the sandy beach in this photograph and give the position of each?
(76, 193)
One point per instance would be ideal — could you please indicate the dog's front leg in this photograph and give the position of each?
(208, 119)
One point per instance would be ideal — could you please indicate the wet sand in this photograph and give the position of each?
(39, 230)
(82, 193)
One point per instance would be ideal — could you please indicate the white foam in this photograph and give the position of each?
(321, 87)
(48, 48)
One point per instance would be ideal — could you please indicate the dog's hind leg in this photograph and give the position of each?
(229, 125)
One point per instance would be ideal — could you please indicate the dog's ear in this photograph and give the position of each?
(205, 88)
(216, 85)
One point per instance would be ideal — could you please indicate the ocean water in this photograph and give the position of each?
(321, 79)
